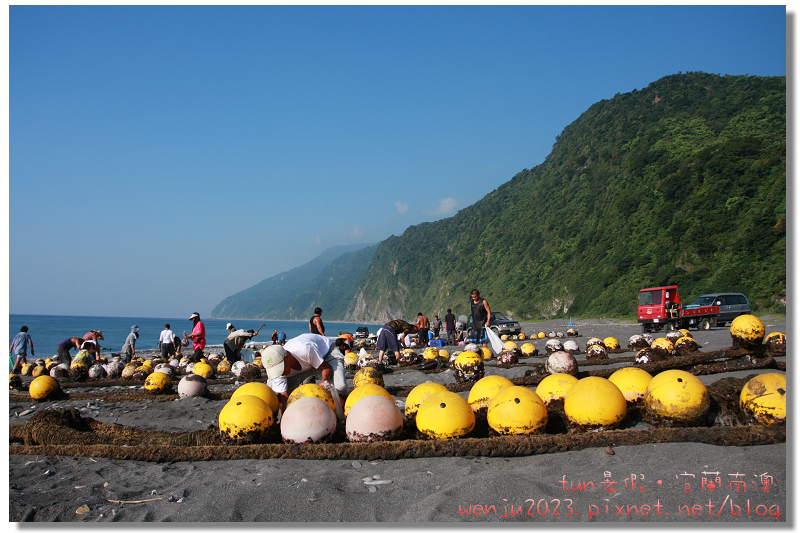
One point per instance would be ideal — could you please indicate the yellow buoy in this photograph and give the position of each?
(486, 353)
(541, 335)
(157, 382)
(677, 395)
(509, 346)
(203, 370)
(468, 367)
(504, 337)
(521, 337)
(632, 382)
(686, 333)
(663, 345)
(611, 343)
(484, 389)
(775, 338)
(259, 390)
(311, 390)
(444, 354)
(350, 358)
(528, 348)
(555, 387)
(445, 415)
(43, 388)
(368, 389)
(764, 398)
(39, 370)
(595, 402)
(224, 366)
(418, 395)
(368, 374)
(516, 410)
(245, 418)
(430, 353)
(747, 331)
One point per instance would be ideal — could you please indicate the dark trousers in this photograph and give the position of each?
(451, 337)
(230, 355)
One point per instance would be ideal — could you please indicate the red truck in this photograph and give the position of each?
(660, 307)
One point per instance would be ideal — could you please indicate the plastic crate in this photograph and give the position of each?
(437, 343)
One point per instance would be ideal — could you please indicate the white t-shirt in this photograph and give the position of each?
(166, 337)
(310, 350)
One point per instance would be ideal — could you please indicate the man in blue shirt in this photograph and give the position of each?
(19, 348)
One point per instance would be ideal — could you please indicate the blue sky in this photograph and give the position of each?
(163, 158)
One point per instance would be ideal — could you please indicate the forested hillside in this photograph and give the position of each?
(682, 182)
(329, 281)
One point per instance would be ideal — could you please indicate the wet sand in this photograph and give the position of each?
(667, 483)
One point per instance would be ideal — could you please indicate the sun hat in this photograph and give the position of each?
(229, 326)
(272, 359)
(194, 315)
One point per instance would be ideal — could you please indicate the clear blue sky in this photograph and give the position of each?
(163, 158)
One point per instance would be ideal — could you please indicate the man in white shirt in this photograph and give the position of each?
(165, 342)
(300, 358)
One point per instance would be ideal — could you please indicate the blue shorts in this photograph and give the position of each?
(478, 335)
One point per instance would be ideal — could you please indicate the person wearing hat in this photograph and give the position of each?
(95, 335)
(388, 336)
(301, 358)
(129, 348)
(198, 337)
(236, 340)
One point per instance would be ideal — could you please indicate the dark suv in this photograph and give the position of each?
(499, 324)
(731, 305)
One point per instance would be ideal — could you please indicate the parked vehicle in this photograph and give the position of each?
(361, 333)
(660, 307)
(731, 305)
(499, 323)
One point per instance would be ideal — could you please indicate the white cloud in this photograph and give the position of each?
(358, 233)
(446, 207)
(401, 207)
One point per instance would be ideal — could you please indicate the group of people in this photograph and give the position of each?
(288, 363)
(392, 335)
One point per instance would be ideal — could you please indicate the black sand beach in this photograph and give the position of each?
(667, 482)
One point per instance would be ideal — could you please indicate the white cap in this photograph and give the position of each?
(272, 359)
(229, 326)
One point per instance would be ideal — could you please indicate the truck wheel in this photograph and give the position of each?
(670, 326)
(704, 324)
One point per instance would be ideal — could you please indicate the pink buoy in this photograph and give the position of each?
(307, 420)
(372, 419)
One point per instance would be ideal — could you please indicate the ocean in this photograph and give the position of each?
(47, 331)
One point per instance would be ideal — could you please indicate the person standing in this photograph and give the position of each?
(19, 349)
(304, 356)
(481, 316)
(423, 324)
(65, 346)
(282, 338)
(315, 324)
(275, 337)
(388, 336)
(166, 341)
(450, 327)
(129, 348)
(198, 336)
(437, 326)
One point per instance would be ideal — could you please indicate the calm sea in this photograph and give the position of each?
(48, 331)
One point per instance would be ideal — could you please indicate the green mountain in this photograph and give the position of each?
(682, 182)
(328, 281)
